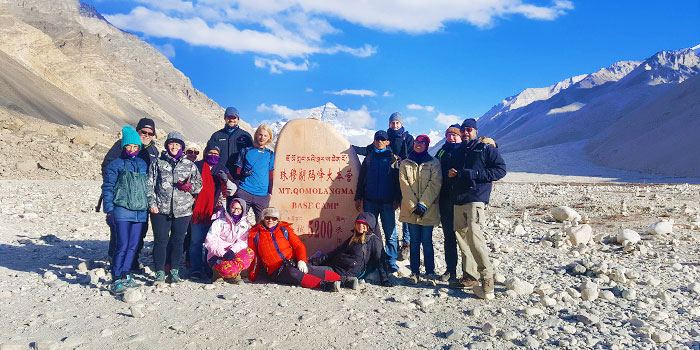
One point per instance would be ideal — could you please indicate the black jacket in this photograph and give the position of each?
(351, 259)
(148, 154)
(447, 157)
(402, 145)
(379, 177)
(230, 145)
(478, 164)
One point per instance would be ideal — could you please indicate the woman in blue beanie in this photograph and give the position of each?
(125, 202)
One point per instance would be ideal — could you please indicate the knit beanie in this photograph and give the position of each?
(396, 116)
(423, 138)
(175, 136)
(271, 211)
(130, 137)
(453, 129)
(471, 123)
(146, 123)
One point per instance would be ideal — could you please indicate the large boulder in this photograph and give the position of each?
(564, 213)
(581, 234)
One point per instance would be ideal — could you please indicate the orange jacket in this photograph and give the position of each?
(265, 253)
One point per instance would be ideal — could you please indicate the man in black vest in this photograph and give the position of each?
(230, 140)
(476, 166)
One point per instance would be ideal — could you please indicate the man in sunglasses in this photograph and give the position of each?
(230, 140)
(146, 128)
(476, 166)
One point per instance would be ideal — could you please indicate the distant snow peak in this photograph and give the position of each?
(672, 66)
(566, 109)
(614, 72)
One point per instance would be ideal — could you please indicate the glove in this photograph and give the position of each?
(301, 265)
(222, 175)
(230, 255)
(110, 219)
(231, 188)
(184, 187)
(419, 210)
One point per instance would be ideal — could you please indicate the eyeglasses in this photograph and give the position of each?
(271, 218)
(467, 129)
(189, 151)
(146, 133)
(236, 209)
(420, 142)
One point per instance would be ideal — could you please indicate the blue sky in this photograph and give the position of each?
(434, 61)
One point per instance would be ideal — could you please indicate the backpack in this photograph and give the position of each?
(285, 261)
(130, 190)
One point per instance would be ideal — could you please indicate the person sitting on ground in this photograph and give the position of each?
(227, 243)
(124, 192)
(358, 255)
(283, 255)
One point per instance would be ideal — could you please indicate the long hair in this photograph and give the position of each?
(358, 239)
(260, 129)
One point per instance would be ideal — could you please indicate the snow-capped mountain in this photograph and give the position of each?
(586, 107)
(342, 121)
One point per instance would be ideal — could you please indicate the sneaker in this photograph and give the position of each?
(129, 282)
(174, 276)
(487, 285)
(196, 276)
(330, 286)
(430, 280)
(414, 278)
(352, 283)
(216, 277)
(235, 279)
(448, 277)
(160, 277)
(117, 287)
(466, 282)
(404, 252)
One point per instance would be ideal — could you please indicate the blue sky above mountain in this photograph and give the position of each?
(436, 62)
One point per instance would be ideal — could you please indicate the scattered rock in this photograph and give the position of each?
(565, 213)
(137, 311)
(661, 336)
(454, 334)
(695, 288)
(661, 227)
(26, 166)
(511, 335)
(627, 235)
(489, 329)
(425, 301)
(132, 296)
(106, 333)
(587, 318)
(519, 286)
(581, 234)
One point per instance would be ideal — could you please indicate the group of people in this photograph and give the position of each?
(210, 199)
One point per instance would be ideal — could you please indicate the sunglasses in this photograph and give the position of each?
(467, 129)
(189, 151)
(420, 142)
(272, 218)
(380, 139)
(230, 117)
(146, 133)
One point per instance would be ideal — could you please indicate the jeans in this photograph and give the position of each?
(197, 250)
(422, 235)
(448, 228)
(166, 243)
(126, 241)
(406, 235)
(386, 212)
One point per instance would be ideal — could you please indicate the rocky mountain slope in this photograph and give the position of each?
(62, 62)
(659, 94)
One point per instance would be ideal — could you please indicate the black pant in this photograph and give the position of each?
(292, 275)
(169, 236)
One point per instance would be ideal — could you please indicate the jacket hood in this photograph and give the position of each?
(369, 219)
(231, 200)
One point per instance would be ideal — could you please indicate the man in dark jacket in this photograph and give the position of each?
(230, 140)
(378, 190)
(146, 128)
(476, 166)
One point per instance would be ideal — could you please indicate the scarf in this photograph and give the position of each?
(212, 159)
(237, 218)
(395, 133)
(204, 206)
(130, 154)
(419, 158)
(451, 146)
(377, 150)
(177, 155)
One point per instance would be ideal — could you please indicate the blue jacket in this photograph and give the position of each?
(478, 164)
(230, 144)
(379, 177)
(109, 180)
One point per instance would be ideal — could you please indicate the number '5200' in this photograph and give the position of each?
(321, 229)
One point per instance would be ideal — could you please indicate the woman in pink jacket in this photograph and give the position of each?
(227, 242)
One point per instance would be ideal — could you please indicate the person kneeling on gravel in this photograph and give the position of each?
(280, 251)
(358, 255)
(227, 242)
(476, 165)
(173, 181)
(124, 200)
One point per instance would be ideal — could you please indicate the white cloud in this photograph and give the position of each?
(419, 107)
(309, 90)
(170, 5)
(409, 120)
(166, 49)
(359, 118)
(282, 111)
(354, 92)
(447, 119)
(277, 66)
(435, 137)
(387, 94)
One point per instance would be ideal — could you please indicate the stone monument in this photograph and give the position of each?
(315, 179)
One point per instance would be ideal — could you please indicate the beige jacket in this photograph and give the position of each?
(420, 184)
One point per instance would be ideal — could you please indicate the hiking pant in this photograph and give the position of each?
(469, 221)
(450, 242)
(113, 241)
(422, 235)
(168, 237)
(197, 251)
(139, 247)
(385, 212)
(292, 275)
(126, 240)
(257, 203)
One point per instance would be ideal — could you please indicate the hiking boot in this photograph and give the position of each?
(330, 286)
(487, 285)
(404, 252)
(117, 287)
(414, 278)
(129, 282)
(351, 282)
(448, 277)
(174, 276)
(465, 282)
(216, 277)
(195, 276)
(235, 279)
(160, 277)
(430, 280)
